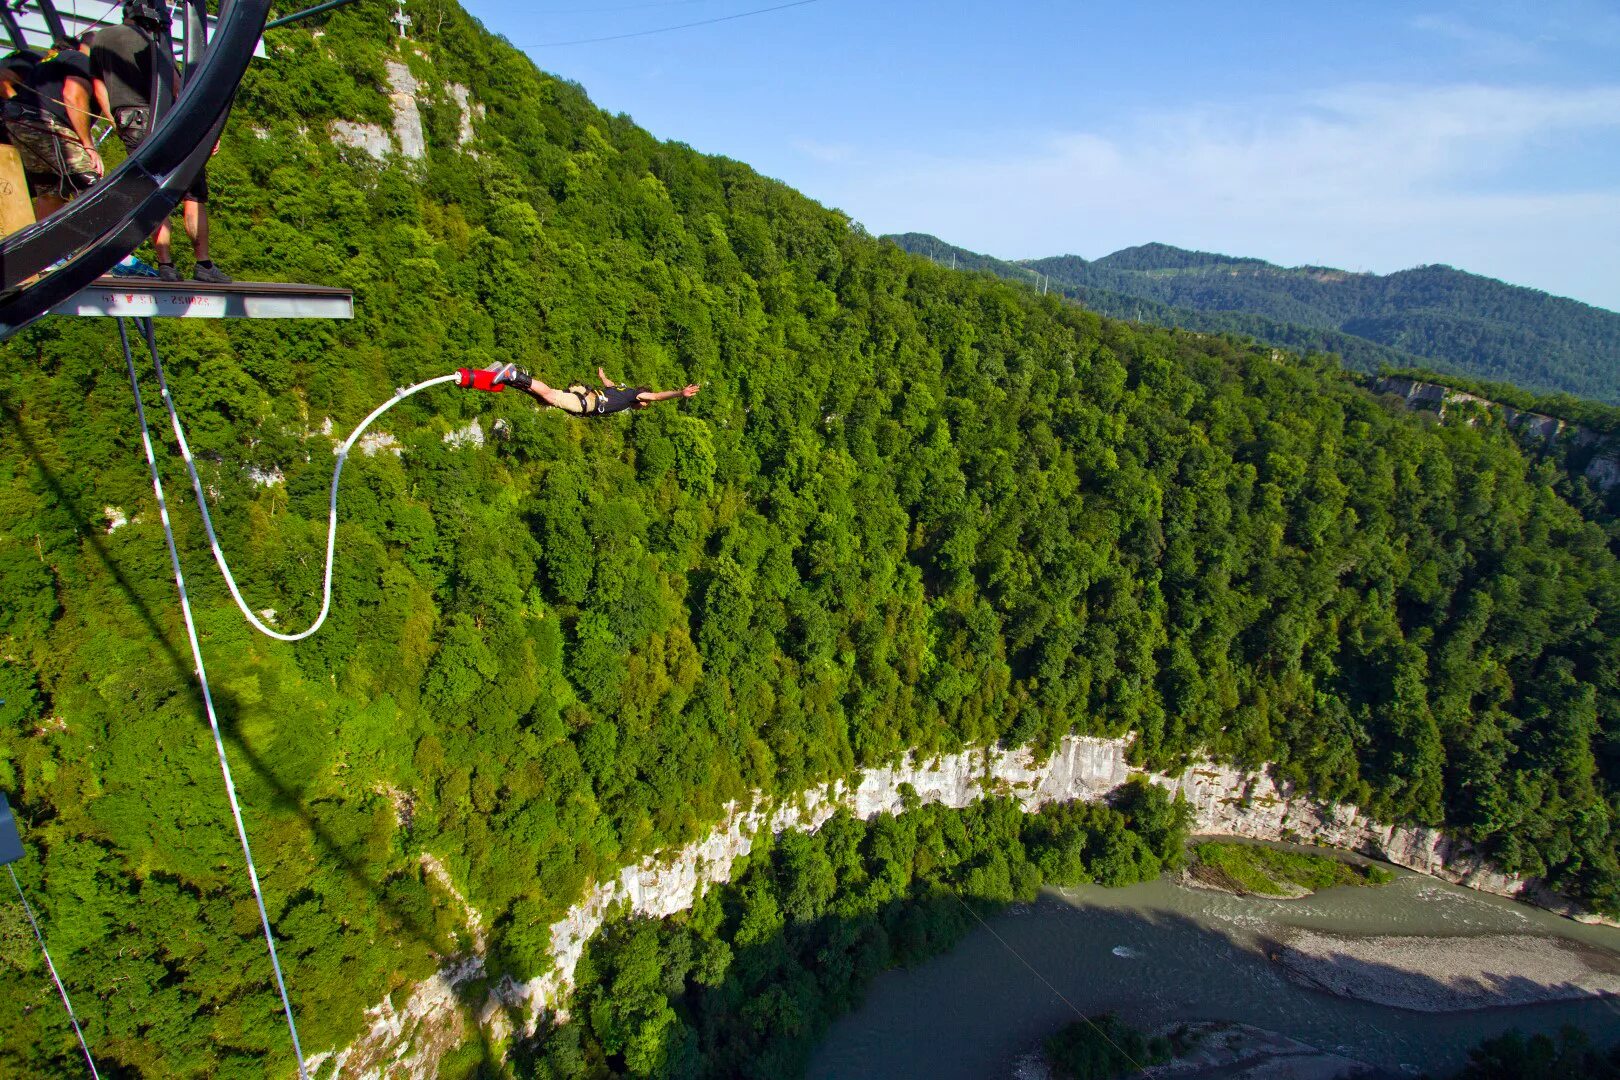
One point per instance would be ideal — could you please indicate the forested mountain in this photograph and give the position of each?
(910, 509)
(1433, 316)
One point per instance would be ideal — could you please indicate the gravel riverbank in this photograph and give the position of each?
(1447, 974)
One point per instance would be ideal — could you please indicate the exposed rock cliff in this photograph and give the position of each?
(1224, 801)
(1602, 458)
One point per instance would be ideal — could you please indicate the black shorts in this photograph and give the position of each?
(131, 123)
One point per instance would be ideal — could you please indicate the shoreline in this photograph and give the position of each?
(1206, 876)
(1445, 974)
(1226, 802)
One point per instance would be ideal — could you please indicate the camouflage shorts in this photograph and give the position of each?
(54, 161)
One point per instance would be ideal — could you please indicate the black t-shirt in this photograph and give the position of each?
(49, 80)
(617, 399)
(15, 69)
(122, 58)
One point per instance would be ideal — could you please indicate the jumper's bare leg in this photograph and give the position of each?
(557, 399)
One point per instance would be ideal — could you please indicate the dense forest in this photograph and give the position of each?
(911, 509)
(1355, 352)
(1514, 1056)
(1432, 316)
(1585, 448)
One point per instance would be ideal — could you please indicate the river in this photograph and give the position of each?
(1163, 952)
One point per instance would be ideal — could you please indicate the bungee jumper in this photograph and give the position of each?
(577, 400)
(169, 119)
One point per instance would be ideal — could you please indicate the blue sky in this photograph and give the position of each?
(1367, 136)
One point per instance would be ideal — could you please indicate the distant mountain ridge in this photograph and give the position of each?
(1435, 317)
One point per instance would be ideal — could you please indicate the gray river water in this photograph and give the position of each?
(1161, 952)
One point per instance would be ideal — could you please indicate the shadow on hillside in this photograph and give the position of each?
(227, 708)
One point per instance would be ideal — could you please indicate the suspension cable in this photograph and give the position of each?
(1033, 970)
(57, 979)
(202, 674)
(332, 502)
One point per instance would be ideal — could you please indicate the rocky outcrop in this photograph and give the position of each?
(1603, 469)
(408, 137)
(472, 918)
(407, 1043)
(407, 118)
(367, 138)
(265, 477)
(1230, 802)
(1437, 397)
(470, 111)
(375, 442)
(1224, 801)
(470, 436)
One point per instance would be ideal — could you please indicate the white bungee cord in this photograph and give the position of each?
(332, 502)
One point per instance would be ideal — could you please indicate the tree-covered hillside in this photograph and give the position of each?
(910, 509)
(1355, 352)
(1433, 316)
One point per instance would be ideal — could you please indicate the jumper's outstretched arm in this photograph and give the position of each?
(647, 397)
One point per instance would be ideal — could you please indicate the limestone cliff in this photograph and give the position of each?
(1225, 801)
(1601, 455)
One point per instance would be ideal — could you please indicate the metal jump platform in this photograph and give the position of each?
(144, 298)
(57, 265)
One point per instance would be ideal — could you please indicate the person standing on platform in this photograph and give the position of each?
(49, 121)
(16, 210)
(121, 62)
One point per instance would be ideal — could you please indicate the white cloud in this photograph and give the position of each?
(1363, 177)
(827, 153)
(1480, 43)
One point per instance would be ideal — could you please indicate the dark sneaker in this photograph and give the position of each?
(510, 375)
(167, 272)
(211, 275)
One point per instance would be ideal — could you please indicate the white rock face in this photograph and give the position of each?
(367, 137)
(408, 137)
(1604, 471)
(407, 1043)
(374, 442)
(265, 477)
(470, 111)
(471, 915)
(116, 518)
(1224, 801)
(472, 435)
(407, 119)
